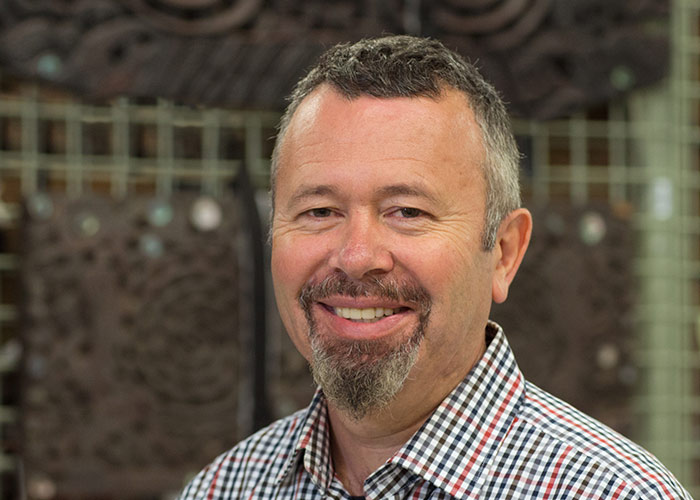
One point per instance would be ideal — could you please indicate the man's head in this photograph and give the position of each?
(405, 66)
(388, 240)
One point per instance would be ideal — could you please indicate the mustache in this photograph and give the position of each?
(405, 291)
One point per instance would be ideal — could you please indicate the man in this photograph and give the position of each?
(396, 223)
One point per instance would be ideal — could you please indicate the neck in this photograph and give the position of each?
(360, 446)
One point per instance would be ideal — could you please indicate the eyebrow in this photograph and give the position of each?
(406, 190)
(305, 192)
(400, 189)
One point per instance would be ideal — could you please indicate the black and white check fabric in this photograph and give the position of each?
(495, 436)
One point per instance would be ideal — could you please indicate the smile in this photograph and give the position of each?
(364, 315)
(373, 321)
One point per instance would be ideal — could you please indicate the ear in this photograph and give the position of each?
(511, 243)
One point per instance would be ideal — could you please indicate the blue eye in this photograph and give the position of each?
(410, 213)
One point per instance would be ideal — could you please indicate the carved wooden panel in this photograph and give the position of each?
(568, 314)
(136, 369)
(137, 357)
(548, 57)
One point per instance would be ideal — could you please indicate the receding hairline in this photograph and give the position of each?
(444, 89)
(407, 66)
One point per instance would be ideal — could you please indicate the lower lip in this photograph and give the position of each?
(358, 330)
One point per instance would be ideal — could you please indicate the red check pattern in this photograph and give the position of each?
(496, 436)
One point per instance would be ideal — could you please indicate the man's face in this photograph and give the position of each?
(380, 207)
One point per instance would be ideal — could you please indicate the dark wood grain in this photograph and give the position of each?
(548, 57)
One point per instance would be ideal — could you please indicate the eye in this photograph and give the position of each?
(410, 212)
(320, 212)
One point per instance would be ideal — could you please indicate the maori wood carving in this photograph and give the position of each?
(568, 314)
(137, 350)
(548, 57)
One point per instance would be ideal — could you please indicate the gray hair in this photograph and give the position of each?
(406, 66)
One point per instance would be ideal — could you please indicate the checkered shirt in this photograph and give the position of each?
(495, 436)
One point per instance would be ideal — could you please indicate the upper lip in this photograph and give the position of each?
(361, 302)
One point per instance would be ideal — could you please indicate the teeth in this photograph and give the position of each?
(367, 314)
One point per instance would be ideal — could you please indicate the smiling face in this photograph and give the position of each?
(376, 237)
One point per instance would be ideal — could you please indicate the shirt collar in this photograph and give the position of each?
(454, 448)
(471, 422)
(312, 445)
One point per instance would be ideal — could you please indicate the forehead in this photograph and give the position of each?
(326, 107)
(330, 130)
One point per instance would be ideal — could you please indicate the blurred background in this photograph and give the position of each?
(138, 335)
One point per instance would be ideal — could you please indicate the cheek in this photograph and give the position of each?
(293, 261)
(458, 280)
(287, 276)
(286, 285)
(283, 265)
(461, 293)
(442, 264)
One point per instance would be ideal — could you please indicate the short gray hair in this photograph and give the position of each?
(406, 66)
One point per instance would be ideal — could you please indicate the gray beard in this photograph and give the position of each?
(362, 377)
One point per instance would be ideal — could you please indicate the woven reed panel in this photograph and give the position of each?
(136, 353)
(568, 315)
(548, 57)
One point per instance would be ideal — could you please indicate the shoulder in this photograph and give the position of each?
(564, 449)
(254, 462)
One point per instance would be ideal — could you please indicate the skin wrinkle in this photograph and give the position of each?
(456, 226)
(400, 67)
(450, 225)
(356, 231)
(401, 189)
(419, 193)
(473, 134)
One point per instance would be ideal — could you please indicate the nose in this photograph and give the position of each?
(362, 248)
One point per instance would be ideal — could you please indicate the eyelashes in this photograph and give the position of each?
(403, 212)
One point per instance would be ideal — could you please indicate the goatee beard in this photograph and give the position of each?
(360, 377)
